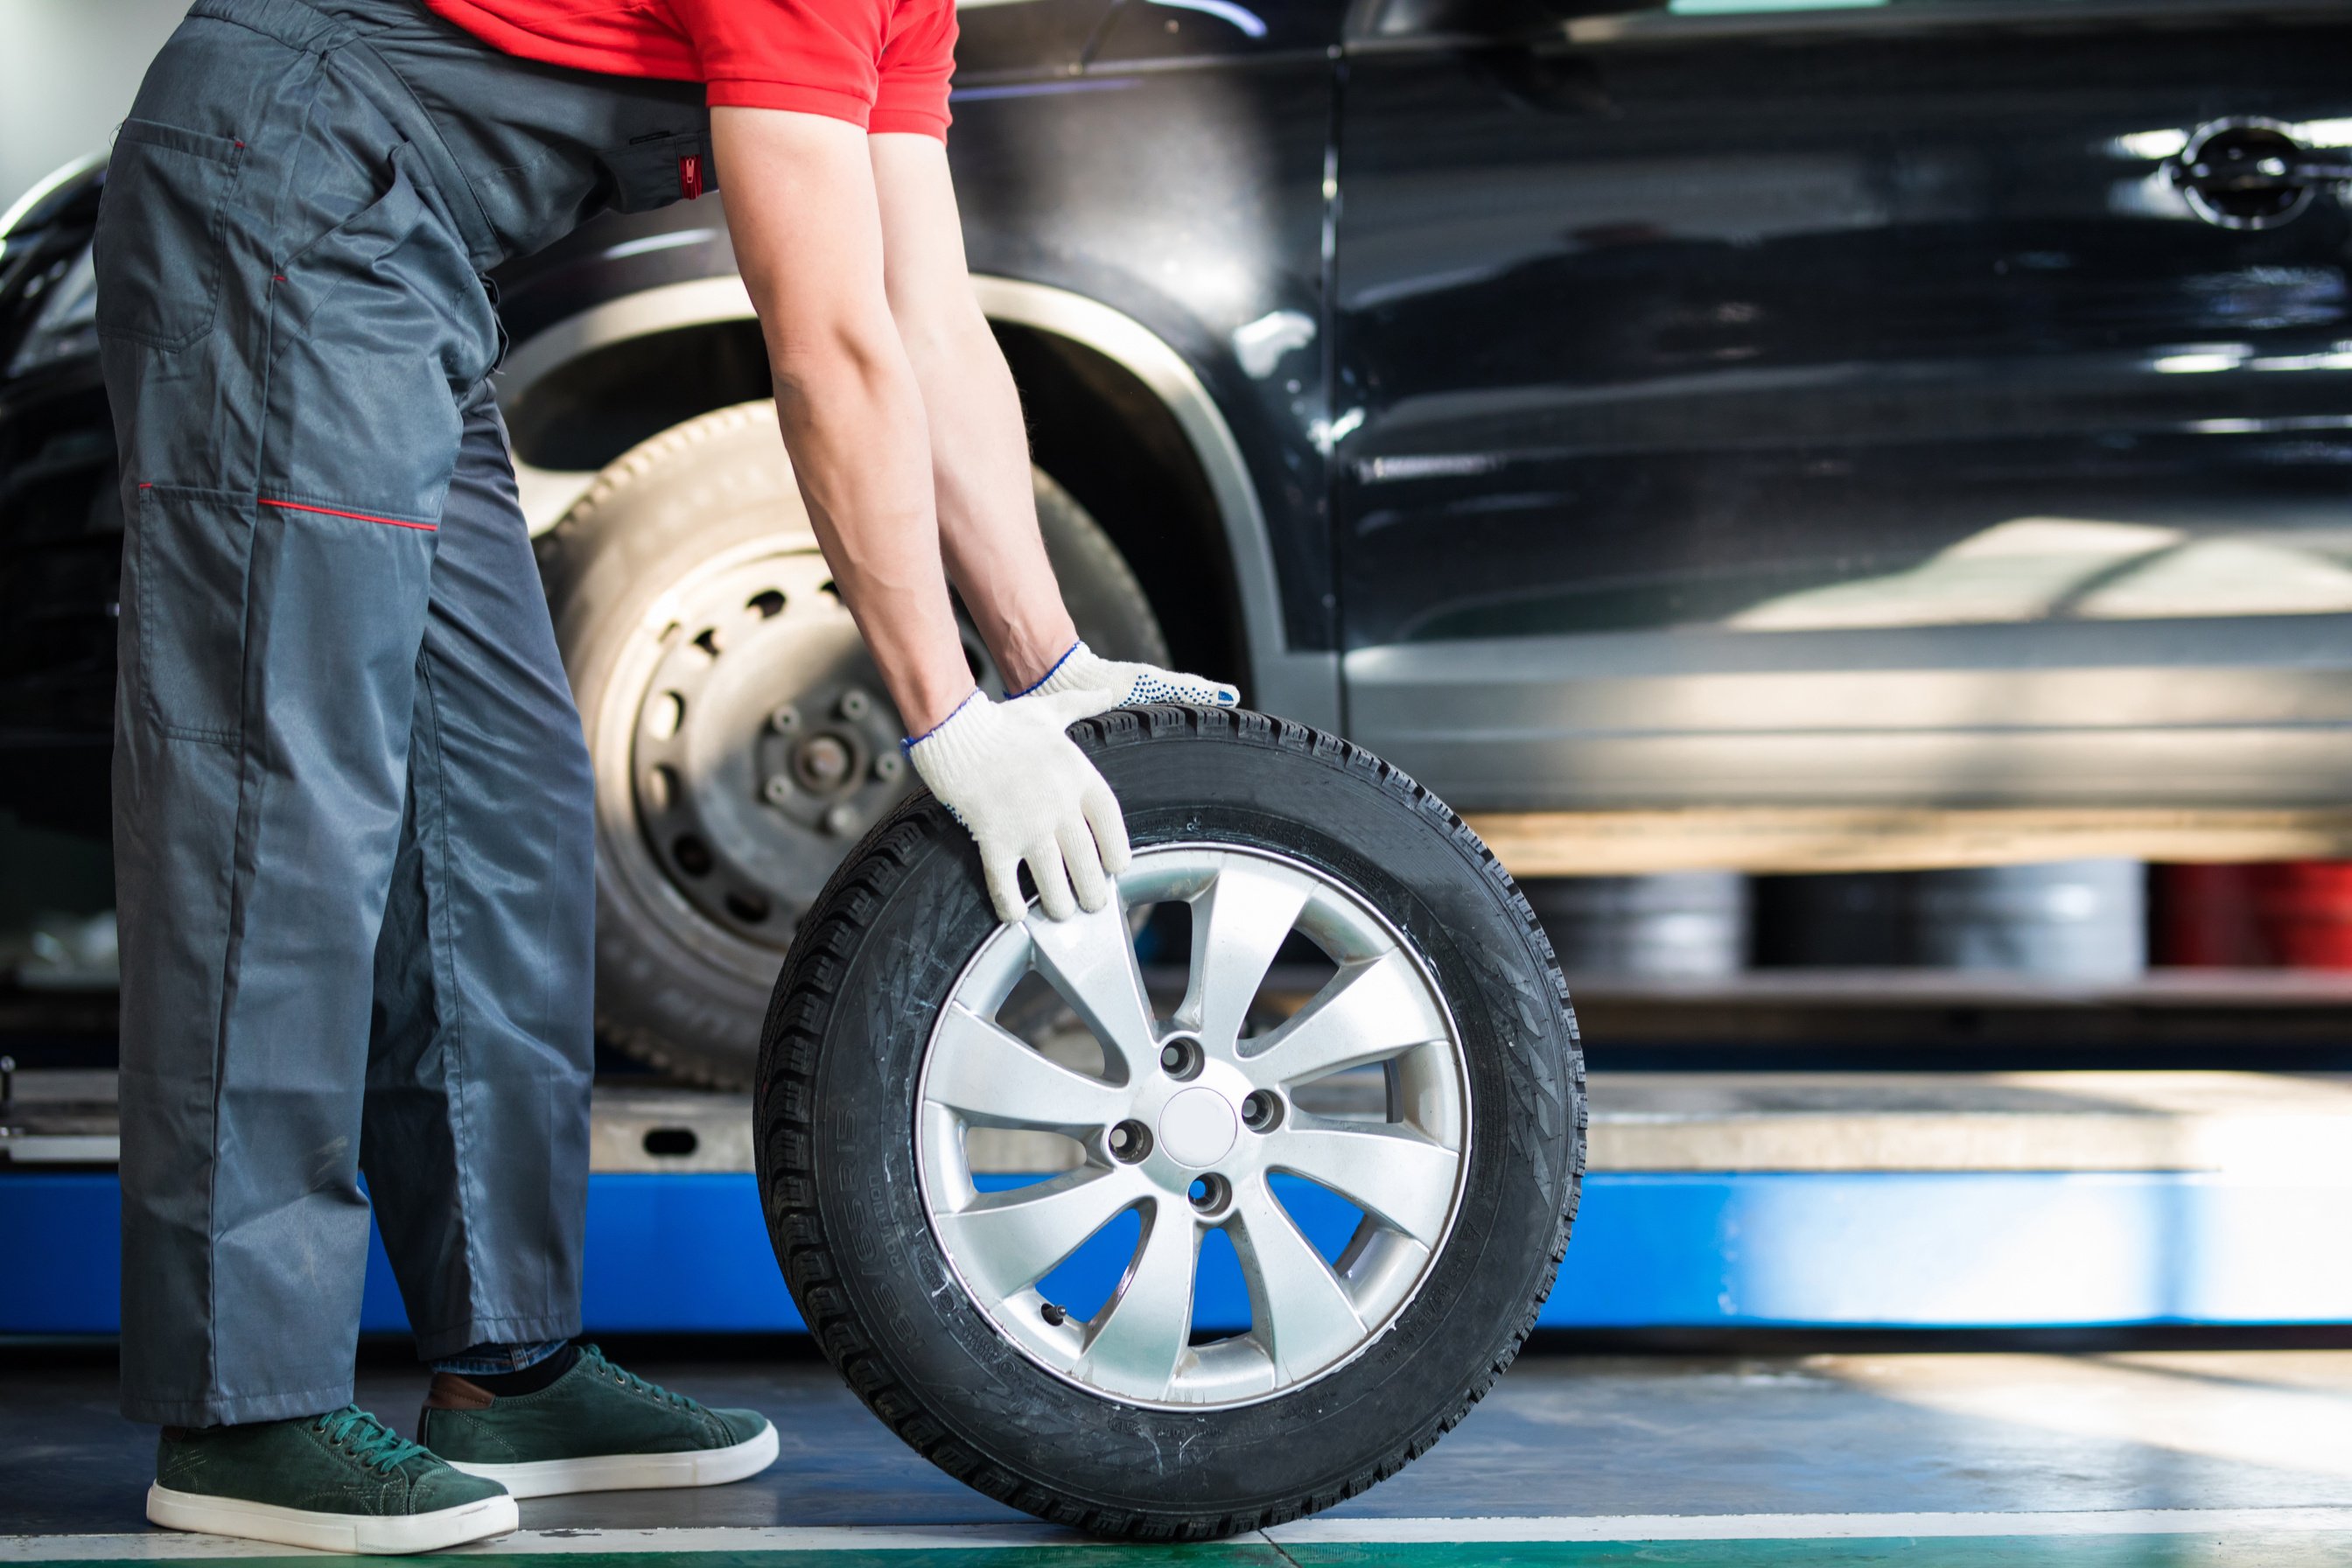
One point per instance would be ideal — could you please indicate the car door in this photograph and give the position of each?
(1940, 402)
(1181, 181)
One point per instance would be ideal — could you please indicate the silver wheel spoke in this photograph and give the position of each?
(993, 1078)
(1010, 1240)
(1178, 1125)
(1149, 1323)
(1091, 959)
(1238, 925)
(1368, 1012)
(1299, 1309)
(1401, 1180)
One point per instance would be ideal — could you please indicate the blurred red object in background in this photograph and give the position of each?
(2295, 913)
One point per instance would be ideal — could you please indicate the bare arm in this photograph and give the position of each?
(979, 447)
(808, 226)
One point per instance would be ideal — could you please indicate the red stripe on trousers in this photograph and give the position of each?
(357, 516)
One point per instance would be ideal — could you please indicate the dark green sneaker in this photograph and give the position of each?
(339, 1482)
(595, 1429)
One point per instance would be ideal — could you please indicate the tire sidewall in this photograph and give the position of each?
(1472, 1306)
(673, 986)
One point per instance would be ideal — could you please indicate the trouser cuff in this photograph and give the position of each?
(494, 1360)
(222, 1410)
(445, 1344)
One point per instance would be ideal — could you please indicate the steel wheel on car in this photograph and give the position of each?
(1211, 1240)
(742, 736)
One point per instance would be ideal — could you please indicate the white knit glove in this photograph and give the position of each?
(1110, 684)
(1027, 793)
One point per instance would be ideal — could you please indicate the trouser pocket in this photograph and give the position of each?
(381, 327)
(159, 233)
(186, 567)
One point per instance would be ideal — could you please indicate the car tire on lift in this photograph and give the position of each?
(880, 1074)
(686, 952)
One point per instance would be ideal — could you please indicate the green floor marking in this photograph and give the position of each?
(2300, 1550)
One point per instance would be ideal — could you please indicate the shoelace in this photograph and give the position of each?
(365, 1439)
(628, 1379)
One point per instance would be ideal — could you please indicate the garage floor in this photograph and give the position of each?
(2179, 1458)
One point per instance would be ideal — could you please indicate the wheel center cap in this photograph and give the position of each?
(822, 760)
(1197, 1128)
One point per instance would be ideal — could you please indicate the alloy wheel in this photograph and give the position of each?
(1187, 1122)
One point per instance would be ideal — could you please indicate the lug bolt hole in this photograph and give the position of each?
(1129, 1141)
(1210, 1194)
(1262, 1111)
(1180, 1058)
(693, 856)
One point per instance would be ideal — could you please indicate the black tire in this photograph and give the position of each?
(835, 1107)
(684, 964)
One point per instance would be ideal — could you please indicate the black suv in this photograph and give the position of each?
(1739, 431)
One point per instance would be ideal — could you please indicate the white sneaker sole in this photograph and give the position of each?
(391, 1533)
(631, 1472)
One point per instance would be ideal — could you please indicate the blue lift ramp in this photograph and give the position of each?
(1714, 1201)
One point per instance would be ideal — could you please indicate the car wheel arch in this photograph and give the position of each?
(1079, 359)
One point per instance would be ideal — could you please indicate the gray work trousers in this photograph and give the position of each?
(352, 805)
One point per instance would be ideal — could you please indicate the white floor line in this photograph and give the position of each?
(782, 1538)
(158, 1546)
(1817, 1526)
(161, 1546)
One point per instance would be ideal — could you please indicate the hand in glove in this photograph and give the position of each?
(1110, 684)
(1027, 793)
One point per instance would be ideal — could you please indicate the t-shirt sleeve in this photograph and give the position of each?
(918, 64)
(813, 56)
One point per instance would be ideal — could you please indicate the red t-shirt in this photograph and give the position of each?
(881, 64)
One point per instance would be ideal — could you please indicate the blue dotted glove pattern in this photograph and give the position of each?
(1151, 688)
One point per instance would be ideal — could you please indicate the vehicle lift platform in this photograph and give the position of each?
(1725, 1192)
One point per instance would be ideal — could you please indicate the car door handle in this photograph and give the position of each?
(2250, 172)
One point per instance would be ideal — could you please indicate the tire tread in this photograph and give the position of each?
(784, 1094)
